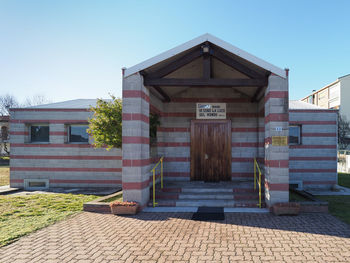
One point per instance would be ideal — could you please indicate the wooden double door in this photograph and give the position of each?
(211, 150)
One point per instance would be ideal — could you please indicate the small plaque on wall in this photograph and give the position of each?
(211, 111)
(279, 141)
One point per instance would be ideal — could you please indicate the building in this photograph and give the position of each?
(4, 136)
(50, 148)
(220, 108)
(333, 96)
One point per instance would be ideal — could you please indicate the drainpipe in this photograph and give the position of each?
(287, 72)
(287, 76)
(123, 71)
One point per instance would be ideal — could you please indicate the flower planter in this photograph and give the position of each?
(124, 208)
(286, 209)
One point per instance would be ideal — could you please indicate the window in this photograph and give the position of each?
(39, 133)
(78, 133)
(4, 133)
(294, 134)
(36, 184)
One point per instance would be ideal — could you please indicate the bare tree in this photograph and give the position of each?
(343, 132)
(36, 100)
(7, 101)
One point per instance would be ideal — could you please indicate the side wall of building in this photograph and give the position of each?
(314, 161)
(63, 164)
(345, 96)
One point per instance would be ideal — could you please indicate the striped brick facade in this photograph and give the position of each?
(276, 157)
(314, 162)
(173, 136)
(62, 163)
(136, 149)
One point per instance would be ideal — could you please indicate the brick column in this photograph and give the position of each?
(136, 158)
(276, 157)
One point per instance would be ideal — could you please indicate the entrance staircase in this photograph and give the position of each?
(237, 193)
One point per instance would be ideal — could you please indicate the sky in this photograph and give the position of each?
(75, 49)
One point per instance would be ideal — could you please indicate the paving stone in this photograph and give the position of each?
(173, 237)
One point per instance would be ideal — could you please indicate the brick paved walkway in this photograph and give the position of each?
(172, 237)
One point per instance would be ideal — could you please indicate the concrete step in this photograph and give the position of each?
(248, 196)
(205, 196)
(169, 189)
(211, 203)
(206, 190)
(244, 190)
(169, 203)
(250, 204)
(193, 194)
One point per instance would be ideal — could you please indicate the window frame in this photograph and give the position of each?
(69, 133)
(300, 133)
(30, 125)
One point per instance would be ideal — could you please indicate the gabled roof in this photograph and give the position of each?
(68, 104)
(197, 41)
(87, 103)
(301, 105)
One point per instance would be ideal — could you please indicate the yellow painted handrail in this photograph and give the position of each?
(257, 180)
(154, 179)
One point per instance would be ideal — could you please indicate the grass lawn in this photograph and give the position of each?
(339, 206)
(20, 215)
(344, 179)
(4, 175)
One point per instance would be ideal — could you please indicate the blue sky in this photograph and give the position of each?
(76, 49)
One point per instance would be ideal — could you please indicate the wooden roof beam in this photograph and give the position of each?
(205, 82)
(165, 96)
(178, 63)
(235, 64)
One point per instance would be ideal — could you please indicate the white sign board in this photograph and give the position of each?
(211, 111)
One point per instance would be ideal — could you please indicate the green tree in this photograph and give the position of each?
(106, 124)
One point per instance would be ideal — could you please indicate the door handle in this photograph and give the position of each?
(206, 157)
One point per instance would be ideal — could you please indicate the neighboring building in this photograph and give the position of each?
(333, 96)
(4, 135)
(220, 108)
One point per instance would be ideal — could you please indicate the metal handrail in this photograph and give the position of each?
(154, 179)
(257, 180)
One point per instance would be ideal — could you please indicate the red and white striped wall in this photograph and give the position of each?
(63, 164)
(174, 132)
(136, 149)
(314, 162)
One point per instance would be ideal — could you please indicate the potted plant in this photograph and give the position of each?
(291, 208)
(124, 208)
